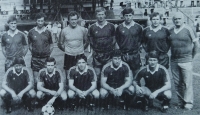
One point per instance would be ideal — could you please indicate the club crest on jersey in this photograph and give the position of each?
(96, 32)
(14, 78)
(147, 76)
(76, 76)
(149, 34)
(123, 31)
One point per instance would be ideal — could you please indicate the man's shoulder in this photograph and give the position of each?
(32, 30)
(72, 69)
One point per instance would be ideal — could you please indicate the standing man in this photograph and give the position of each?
(128, 37)
(17, 86)
(50, 85)
(157, 83)
(116, 79)
(155, 37)
(72, 40)
(102, 40)
(82, 83)
(40, 44)
(184, 46)
(13, 43)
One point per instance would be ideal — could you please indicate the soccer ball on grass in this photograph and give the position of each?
(48, 110)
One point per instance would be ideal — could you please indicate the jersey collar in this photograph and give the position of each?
(40, 31)
(85, 70)
(12, 34)
(128, 26)
(152, 72)
(54, 71)
(111, 65)
(101, 26)
(176, 31)
(156, 29)
(18, 74)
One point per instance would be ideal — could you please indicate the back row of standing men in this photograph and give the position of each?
(104, 38)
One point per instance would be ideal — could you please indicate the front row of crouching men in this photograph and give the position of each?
(117, 84)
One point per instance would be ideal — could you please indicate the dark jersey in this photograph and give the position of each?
(156, 40)
(153, 80)
(40, 42)
(129, 39)
(14, 45)
(115, 76)
(15, 81)
(82, 80)
(50, 82)
(102, 38)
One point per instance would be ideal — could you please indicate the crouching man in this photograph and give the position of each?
(17, 86)
(82, 83)
(116, 79)
(157, 83)
(50, 85)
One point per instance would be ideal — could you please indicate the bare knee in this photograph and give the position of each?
(168, 94)
(103, 93)
(32, 93)
(131, 89)
(96, 94)
(40, 94)
(2, 93)
(64, 95)
(71, 94)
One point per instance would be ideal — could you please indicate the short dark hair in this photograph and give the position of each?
(100, 9)
(154, 14)
(127, 10)
(11, 19)
(19, 60)
(116, 53)
(50, 59)
(40, 15)
(153, 54)
(73, 13)
(79, 57)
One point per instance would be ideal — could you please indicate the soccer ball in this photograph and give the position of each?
(48, 110)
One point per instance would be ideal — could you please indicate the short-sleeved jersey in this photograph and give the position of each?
(181, 42)
(129, 38)
(115, 76)
(82, 80)
(14, 45)
(157, 40)
(51, 82)
(17, 82)
(40, 42)
(153, 80)
(102, 38)
(73, 39)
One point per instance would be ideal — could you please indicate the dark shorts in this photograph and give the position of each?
(9, 63)
(163, 60)
(133, 60)
(70, 61)
(38, 63)
(100, 59)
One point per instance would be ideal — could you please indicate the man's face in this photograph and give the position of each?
(40, 22)
(128, 18)
(116, 61)
(73, 21)
(155, 21)
(50, 67)
(12, 25)
(101, 16)
(153, 62)
(178, 20)
(81, 64)
(18, 68)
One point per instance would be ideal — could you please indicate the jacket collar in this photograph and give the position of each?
(40, 31)
(112, 66)
(128, 26)
(54, 71)
(152, 72)
(18, 74)
(12, 34)
(156, 29)
(101, 26)
(85, 70)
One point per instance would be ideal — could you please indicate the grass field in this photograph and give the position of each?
(113, 111)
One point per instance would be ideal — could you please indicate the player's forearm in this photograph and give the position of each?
(51, 48)
(4, 51)
(9, 90)
(61, 88)
(196, 47)
(92, 88)
(40, 88)
(106, 86)
(25, 50)
(167, 86)
(126, 85)
(27, 89)
(30, 47)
